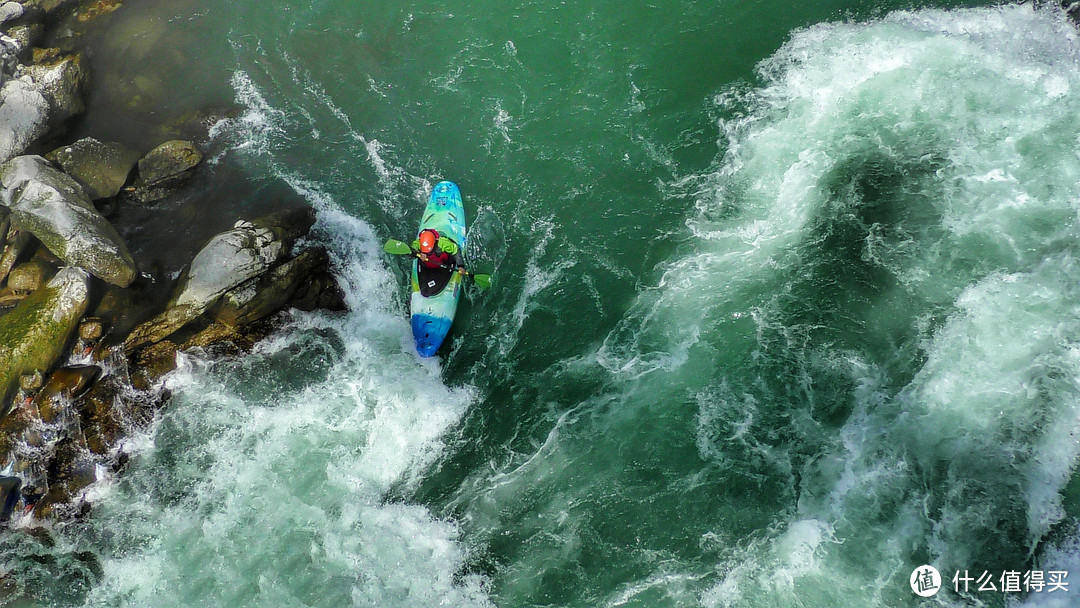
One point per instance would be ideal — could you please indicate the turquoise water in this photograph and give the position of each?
(786, 303)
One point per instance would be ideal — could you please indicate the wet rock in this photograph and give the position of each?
(36, 332)
(25, 36)
(153, 362)
(29, 385)
(321, 291)
(121, 310)
(221, 339)
(99, 415)
(97, 8)
(101, 168)
(164, 169)
(64, 385)
(53, 207)
(37, 97)
(201, 124)
(16, 244)
(24, 279)
(271, 292)
(230, 259)
(27, 277)
(24, 112)
(91, 331)
(10, 11)
(70, 471)
(46, 7)
(62, 80)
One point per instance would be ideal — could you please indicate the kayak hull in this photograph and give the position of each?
(433, 314)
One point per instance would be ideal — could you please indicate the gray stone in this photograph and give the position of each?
(62, 81)
(36, 98)
(53, 207)
(229, 260)
(102, 168)
(272, 291)
(10, 11)
(33, 335)
(25, 36)
(164, 169)
(24, 113)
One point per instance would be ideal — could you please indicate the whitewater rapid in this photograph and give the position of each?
(857, 354)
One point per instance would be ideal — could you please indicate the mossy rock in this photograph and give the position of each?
(35, 333)
(54, 208)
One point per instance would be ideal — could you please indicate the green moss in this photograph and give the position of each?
(33, 336)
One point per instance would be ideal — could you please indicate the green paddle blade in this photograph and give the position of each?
(483, 281)
(397, 247)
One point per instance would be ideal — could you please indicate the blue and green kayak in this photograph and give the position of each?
(436, 291)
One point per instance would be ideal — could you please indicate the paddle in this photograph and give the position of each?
(397, 247)
(483, 281)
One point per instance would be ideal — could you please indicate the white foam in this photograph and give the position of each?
(281, 497)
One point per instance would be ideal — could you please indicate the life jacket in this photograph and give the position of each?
(437, 257)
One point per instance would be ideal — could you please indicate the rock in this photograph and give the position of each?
(11, 48)
(29, 385)
(16, 243)
(121, 310)
(64, 385)
(321, 291)
(152, 363)
(10, 11)
(62, 80)
(272, 291)
(101, 168)
(27, 277)
(24, 112)
(70, 471)
(53, 207)
(35, 333)
(95, 9)
(37, 98)
(91, 329)
(223, 340)
(230, 259)
(164, 169)
(25, 36)
(30, 382)
(109, 410)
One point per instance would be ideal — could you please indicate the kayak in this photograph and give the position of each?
(436, 291)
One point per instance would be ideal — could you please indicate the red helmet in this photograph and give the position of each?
(428, 238)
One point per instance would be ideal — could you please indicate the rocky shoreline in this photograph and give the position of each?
(85, 333)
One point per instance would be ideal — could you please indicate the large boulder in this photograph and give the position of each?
(34, 334)
(37, 98)
(24, 113)
(230, 259)
(62, 79)
(101, 167)
(53, 207)
(271, 292)
(164, 169)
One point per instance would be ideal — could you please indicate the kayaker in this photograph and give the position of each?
(438, 251)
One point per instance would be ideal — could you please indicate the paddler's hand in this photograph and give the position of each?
(461, 271)
(422, 256)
